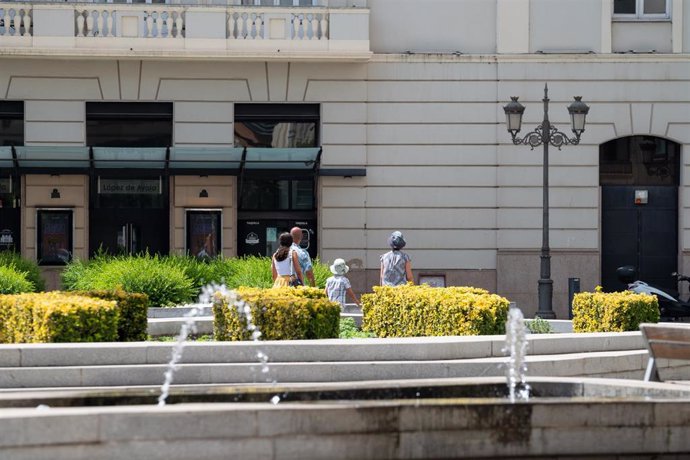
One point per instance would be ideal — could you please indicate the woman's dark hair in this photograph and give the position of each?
(285, 240)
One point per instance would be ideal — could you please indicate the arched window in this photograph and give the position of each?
(639, 160)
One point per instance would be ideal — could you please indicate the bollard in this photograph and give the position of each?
(573, 288)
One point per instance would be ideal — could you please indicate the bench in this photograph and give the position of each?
(665, 341)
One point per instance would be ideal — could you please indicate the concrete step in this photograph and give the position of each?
(179, 312)
(621, 364)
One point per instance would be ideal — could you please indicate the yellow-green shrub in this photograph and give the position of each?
(280, 314)
(613, 311)
(133, 308)
(56, 317)
(414, 311)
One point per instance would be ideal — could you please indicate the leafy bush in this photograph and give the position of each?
(349, 330)
(202, 272)
(250, 271)
(164, 283)
(56, 317)
(33, 273)
(414, 311)
(613, 312)
(539, 326)
(279, 314)
(13, 281)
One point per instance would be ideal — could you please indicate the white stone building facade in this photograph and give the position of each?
(410, 123)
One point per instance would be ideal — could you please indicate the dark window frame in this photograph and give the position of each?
(13, 111)
(40, 213)
(126, 113)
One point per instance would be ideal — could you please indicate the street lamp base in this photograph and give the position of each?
(546, 314)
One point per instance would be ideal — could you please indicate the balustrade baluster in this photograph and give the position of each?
(259, 24)
(314, 28)
(80, 24)
(178, 24)
(295, 27)
(100, 21)
(89, 24)
(27, 23)
(231, 26)
(324, 27)
(149, 25)
(110, 22)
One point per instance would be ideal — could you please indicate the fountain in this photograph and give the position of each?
(441, 418)
(516, 347)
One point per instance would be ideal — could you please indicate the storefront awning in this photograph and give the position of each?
(178, 160)
(128, 157)
(52, 157)
(306, 159)
(206, 159)
(6, 157)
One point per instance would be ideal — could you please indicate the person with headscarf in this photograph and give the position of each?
(396, 266)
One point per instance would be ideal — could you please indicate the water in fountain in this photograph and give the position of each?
(188, 327)
(516, 346)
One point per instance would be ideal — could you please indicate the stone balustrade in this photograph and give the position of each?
(253, 24)
(129, 21)
(15, 20)
(169, 31)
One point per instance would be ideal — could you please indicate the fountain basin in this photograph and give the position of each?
(436, 419)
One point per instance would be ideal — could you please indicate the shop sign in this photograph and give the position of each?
(6, 185)
(6, 238)
(252, 238)
(129, 186)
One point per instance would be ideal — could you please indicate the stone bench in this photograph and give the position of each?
(665, 341)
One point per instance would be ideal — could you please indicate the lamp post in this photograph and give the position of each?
(546, 134)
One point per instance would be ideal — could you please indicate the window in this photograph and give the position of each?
(54, 232)
(276, 125)
(11, 123)
(641, 9)
(129, 124)
(266, 194)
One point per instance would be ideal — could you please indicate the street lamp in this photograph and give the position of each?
(546, 134)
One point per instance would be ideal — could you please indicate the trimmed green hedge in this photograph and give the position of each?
(133, 318)
(613, 312)
(419, 311)
(279, 314)
(56, 317)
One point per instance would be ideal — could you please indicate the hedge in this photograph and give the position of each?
(133, 317)
(56, 317)
(613, 312)
(279, 314)
(419, 311)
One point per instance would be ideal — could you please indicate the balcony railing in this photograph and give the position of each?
(137, 29)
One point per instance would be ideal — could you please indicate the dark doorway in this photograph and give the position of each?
(129, 215)
(639, 178)
(129, 208)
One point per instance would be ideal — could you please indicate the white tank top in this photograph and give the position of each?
(283, 267)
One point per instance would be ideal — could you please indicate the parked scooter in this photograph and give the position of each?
(671, 306)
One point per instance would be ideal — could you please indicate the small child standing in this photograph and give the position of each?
(337, 286)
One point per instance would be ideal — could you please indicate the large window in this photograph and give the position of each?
(639, 160)
(267, 194)
(276, 125)
(11, 123)
(129, 124)
(641, 9)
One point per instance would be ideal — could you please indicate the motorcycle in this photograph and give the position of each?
(671, 306)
